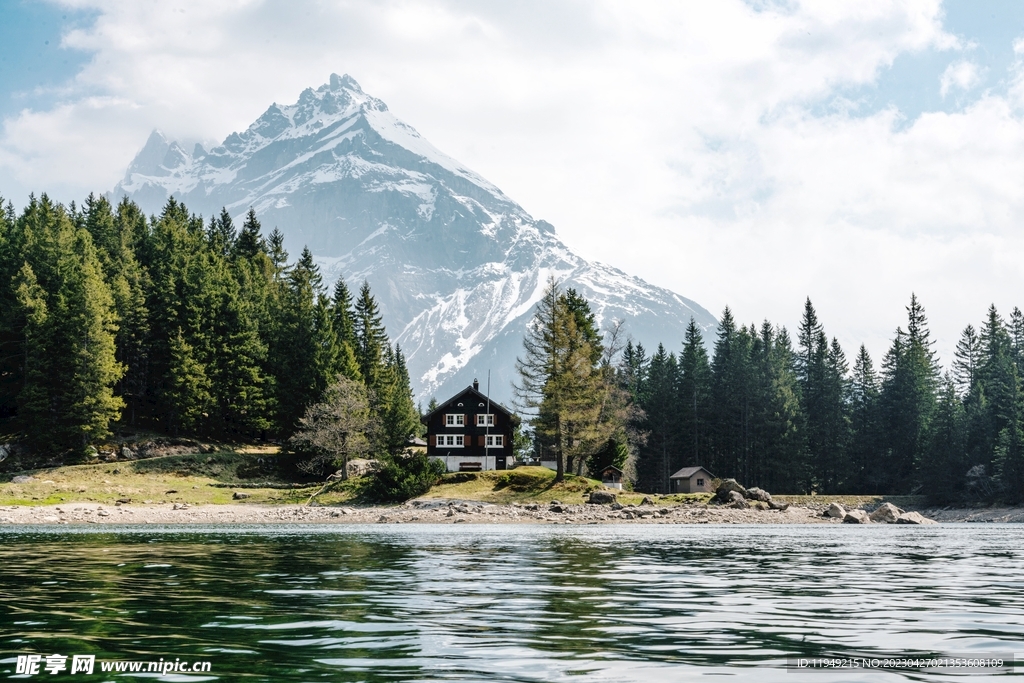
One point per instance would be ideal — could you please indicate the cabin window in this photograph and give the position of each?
(451, 440)
(495, 441)
(700, 482)
(454, 420)
(485, 420)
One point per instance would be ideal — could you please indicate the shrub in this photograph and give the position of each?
(402, 477)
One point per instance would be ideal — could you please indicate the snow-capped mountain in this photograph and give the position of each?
(456, 265)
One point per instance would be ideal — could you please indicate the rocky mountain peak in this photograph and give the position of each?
(456, 265)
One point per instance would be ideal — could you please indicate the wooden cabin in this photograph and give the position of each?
(611, 477)
(471, 433)
(691, 480)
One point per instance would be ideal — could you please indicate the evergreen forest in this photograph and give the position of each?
(184, 325)
(797, 418)
(788, 417)
(178, 325)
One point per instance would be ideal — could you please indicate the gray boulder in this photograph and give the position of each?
(127, 453)
(914, 518)
(856, 517)
(778, 506)
(22, 479)
(836, 511)
(758, 494)
(360, 467)
(887, 513)
(736, 500)
(5, 451)
(647, 501)
(728, 485)
(601, 497)
(238, 495)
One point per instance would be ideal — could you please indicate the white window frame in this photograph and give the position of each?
(454, 420)
(495, 441)
(485, 419)
(451, 441)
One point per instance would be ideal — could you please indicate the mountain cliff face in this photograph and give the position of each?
(456, 266)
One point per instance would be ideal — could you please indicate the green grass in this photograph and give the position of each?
(194, 479)
(535, 485)
(212, 478)
(904, 502)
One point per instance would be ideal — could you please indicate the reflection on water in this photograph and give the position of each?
(515, 603)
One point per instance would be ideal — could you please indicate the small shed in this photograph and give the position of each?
(611, 477)
(691, 480)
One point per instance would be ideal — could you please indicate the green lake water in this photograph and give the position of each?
(511, 603)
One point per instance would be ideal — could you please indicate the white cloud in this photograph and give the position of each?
(687, 126)
(962, 75)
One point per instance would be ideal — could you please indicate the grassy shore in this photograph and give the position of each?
(533, 485)
(193, 479)
(255, 475)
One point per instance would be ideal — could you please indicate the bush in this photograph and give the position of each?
(402, 477)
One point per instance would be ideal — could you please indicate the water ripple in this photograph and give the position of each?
(646, 603)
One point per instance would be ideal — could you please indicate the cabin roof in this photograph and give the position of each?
(473, 395)
(688, 472)
(611, 467)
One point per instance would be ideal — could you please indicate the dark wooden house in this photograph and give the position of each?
(611, 477)
(469, 432)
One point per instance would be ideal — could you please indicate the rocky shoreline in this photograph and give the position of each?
(443, 511)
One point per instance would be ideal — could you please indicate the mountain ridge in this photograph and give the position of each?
(456, 265)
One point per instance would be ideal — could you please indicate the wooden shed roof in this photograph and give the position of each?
(688, 472)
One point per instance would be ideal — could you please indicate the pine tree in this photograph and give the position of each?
(117, 239)
(996, 375)
(250, 241)
(586, 323)
(775, 457)
(731, 379)
(371, 339)
(278, 256)
(222, 234)
(865, 447)
(812, 369)
(967, 360)
(694, 397)
(1009, 451)
(558, 380)
(188, 394)
(910, 377)
(833, 472)
(943, 472)
(304, 349)
(658, 456)
(398, 416)
(343, 319)
(68, 397)
(1016, 330)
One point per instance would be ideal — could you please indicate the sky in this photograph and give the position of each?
(749, 154)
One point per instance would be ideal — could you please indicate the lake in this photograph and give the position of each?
(512, 603)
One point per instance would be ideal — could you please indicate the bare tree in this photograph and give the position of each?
(336, 428)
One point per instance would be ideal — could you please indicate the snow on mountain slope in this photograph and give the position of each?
(456, 265)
